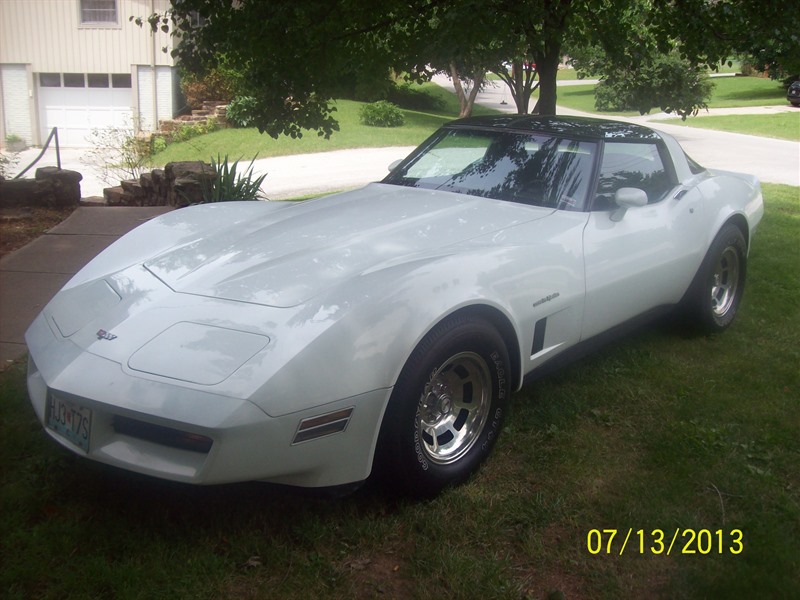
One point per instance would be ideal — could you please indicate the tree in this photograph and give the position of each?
(711, 31)
(293, 56)
(639, 71)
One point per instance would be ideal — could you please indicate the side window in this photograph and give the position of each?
(633, 165)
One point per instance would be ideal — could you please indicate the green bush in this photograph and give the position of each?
(216, 84)
(381, 114)
(668, 82)
(240, 111)
(188, 131)
(410, 97)
(158, 144)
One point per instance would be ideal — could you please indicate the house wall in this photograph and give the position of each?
(165, 79)
(16, 105)
(46, 36)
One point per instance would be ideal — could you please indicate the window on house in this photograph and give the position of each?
(98, 11)
(74, 80)
(50, 79)
(121, 80)
(97, 80)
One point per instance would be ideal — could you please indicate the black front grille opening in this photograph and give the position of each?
(166, 436)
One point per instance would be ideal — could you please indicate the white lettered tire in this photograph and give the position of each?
(447, 408)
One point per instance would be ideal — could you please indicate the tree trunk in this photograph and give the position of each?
(547, 66)
(520, 83)
(466, 102)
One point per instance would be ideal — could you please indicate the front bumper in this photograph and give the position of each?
(130, 417)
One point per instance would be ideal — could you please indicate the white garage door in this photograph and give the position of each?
(78, 109)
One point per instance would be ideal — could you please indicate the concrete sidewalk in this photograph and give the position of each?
(32, 275)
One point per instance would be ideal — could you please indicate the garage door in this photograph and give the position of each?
(77, 103)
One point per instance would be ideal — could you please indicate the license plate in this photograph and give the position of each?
(70, 421)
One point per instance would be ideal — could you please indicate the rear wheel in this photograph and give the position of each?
(715, 294)
(446, 410)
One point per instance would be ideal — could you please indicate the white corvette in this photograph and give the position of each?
(383, 330)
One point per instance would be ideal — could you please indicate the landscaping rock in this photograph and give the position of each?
(52, 188)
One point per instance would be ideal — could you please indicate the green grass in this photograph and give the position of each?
(729, 92)
(660, 430)
(248, 142)
(784, 125)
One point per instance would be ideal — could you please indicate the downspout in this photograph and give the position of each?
(153, 66)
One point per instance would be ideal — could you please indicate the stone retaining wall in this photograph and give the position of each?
(51, 187)
(178, 184)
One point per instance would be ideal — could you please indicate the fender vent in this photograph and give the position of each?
(322, 425)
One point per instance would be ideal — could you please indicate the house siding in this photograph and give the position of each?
(46, 36)
(14, 82)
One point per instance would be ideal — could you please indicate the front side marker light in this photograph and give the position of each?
(322, 425)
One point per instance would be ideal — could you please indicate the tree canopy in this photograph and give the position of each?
(292, 56)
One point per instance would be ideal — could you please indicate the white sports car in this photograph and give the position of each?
(383, 330)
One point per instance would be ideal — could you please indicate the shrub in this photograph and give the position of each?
(116, 154)
(188, 131)
(406, 96)
(240, 111)
(668, 82)
(158, 144)
(217, 84)
(228, 184)
(381, 114)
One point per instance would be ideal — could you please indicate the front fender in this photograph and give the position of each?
(365, 330)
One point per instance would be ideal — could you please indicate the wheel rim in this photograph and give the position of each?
(454, 407)
(725, 282)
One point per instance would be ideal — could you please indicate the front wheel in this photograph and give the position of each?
(446, 410)
(715, 294)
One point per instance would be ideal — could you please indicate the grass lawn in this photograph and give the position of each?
(248, 142)
(728, 92)
(784, 125)
(660, 431)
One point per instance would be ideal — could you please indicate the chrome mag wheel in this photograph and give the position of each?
(454, 407)
(725, 282)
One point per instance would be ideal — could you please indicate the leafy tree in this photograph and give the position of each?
(711, 31)
(640, 72)
(292, 56)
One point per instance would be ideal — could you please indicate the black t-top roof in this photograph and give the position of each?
(583, 127)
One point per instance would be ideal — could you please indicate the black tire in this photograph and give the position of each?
(716, 292)
(446, 410)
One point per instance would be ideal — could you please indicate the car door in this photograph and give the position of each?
(648, 257)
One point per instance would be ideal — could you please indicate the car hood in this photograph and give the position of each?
(285, 257)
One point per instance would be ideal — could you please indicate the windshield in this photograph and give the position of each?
(529, 169)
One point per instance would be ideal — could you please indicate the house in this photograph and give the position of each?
(80, 65)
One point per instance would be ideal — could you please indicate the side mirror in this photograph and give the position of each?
(394, 164)
(626, 198)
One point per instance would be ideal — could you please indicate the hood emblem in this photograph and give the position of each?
(102, 334)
